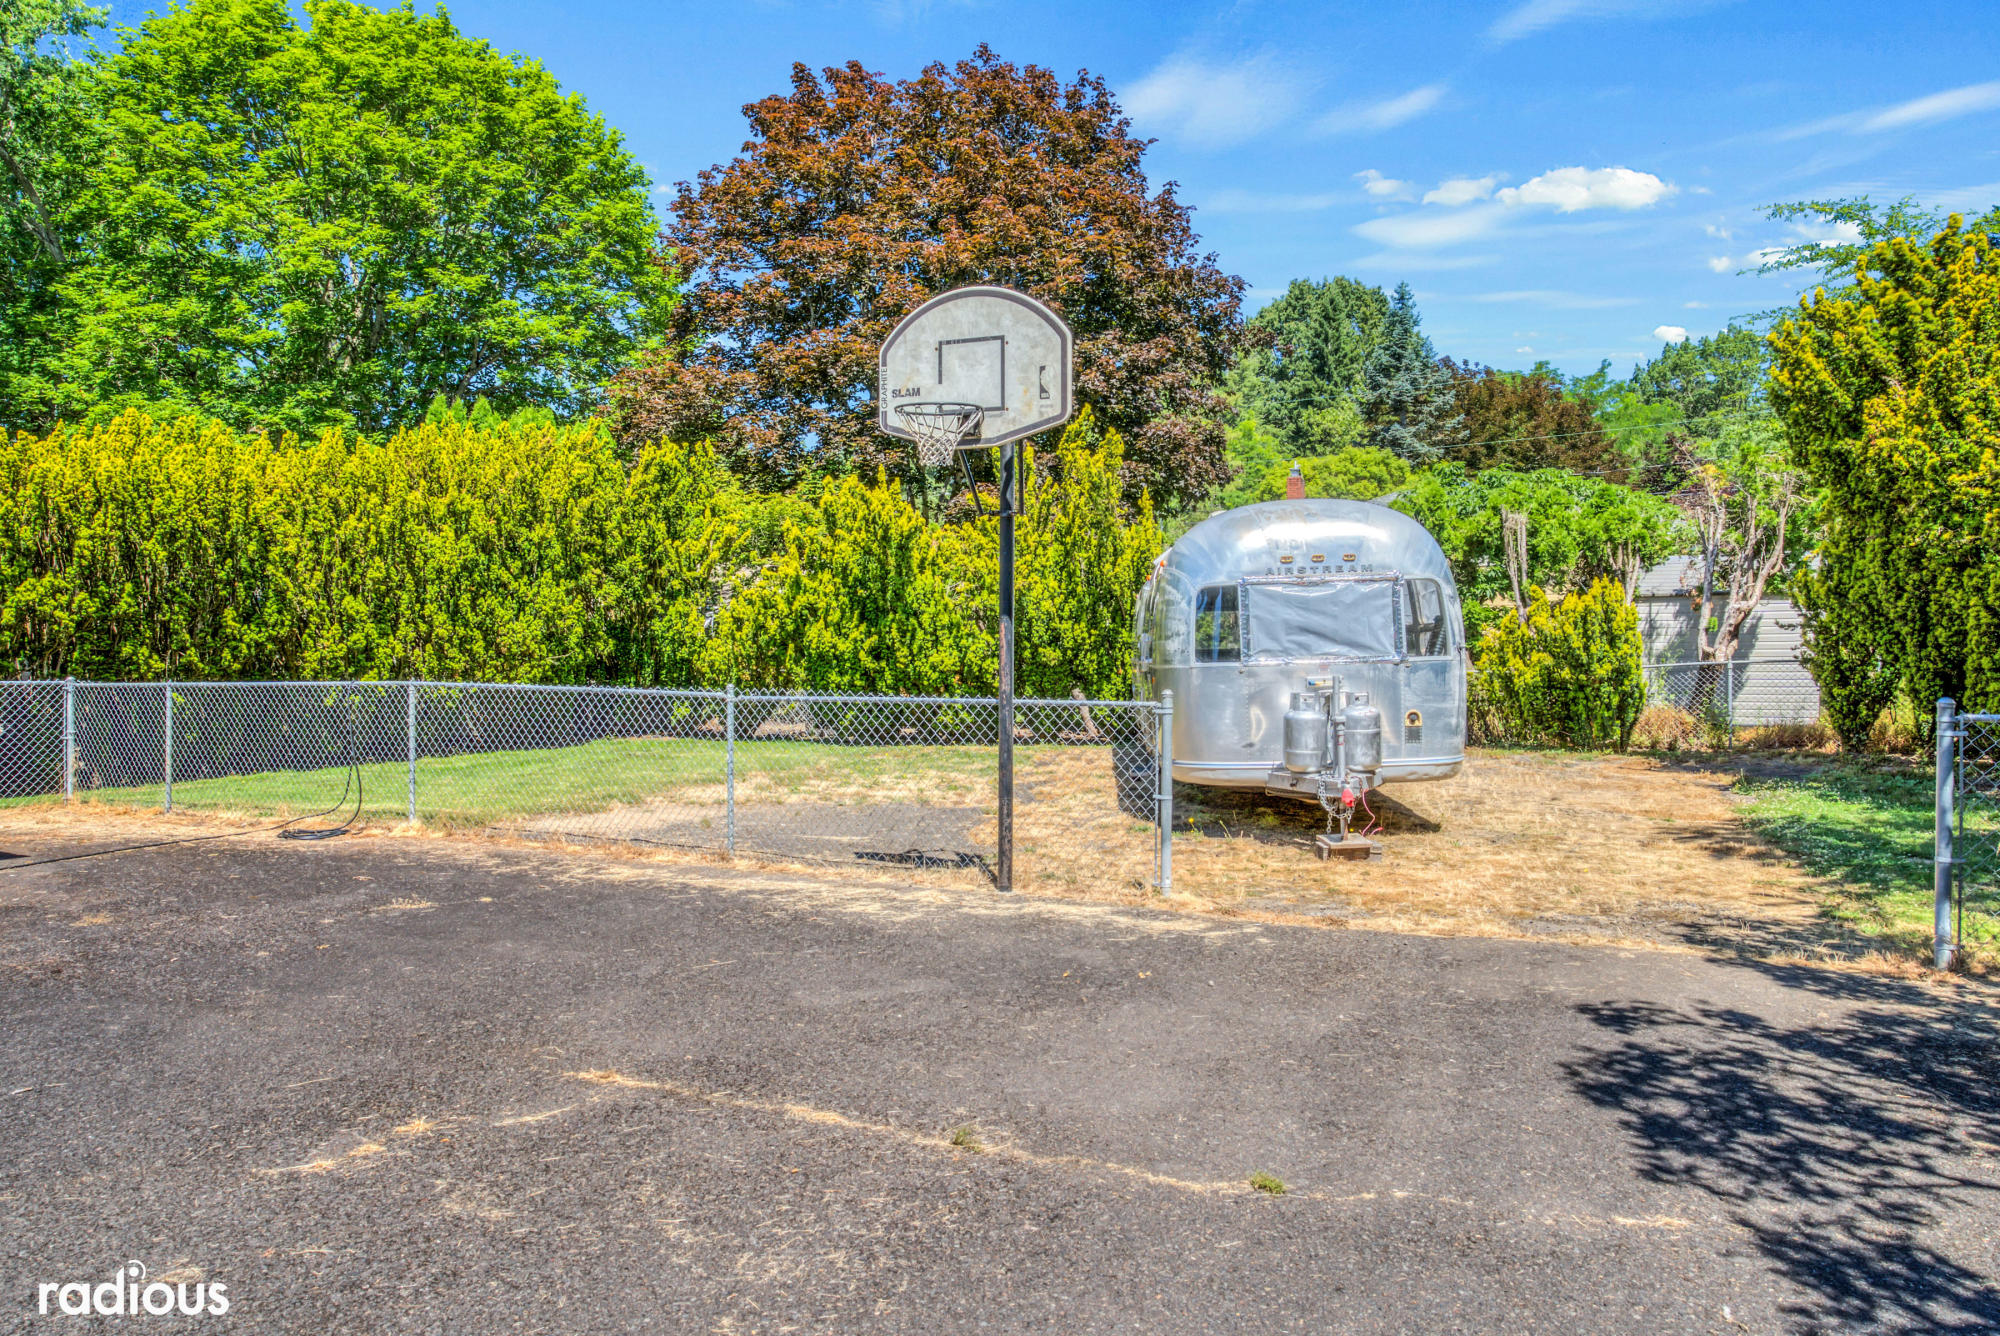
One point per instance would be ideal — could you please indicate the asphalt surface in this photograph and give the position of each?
(384, 1085)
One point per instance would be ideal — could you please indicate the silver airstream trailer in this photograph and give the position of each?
(1315, 650)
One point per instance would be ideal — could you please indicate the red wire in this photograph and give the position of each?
(1373, 826)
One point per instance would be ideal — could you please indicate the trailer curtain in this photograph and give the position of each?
(1338, 619)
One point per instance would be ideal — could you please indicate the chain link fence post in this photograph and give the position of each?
(1945, 948)
(1163, 766)
(69, 738)
(167, 761)
(410, 741)
(729, 768)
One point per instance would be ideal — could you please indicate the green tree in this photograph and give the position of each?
(331, 223)
(1408, 397)
(1572, 531)
(43, 152)
(1890, 397)
(1361, 473)
(1854, 226)
(864, 597)
(1713, 376)
(1749, 518)
(1304, 374)
(523, 552)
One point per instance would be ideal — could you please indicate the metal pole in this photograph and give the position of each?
(1163, 767)
(69, 738)
(167, 768)
(1729, 698)
(729, 765)
(1944, 948)
(1004, 878)
(410, 736)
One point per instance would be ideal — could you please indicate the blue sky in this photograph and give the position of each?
(1556, 178)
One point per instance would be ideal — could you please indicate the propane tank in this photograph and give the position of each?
(1362, 723)
(1305, 733)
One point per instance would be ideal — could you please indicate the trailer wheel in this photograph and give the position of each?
(1133, 771)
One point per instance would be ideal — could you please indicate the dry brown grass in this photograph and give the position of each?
(1628, 849)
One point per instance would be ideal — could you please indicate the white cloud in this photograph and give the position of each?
(1828, 234)
(1928, 110)
(1694, 306)
(1670, 333)
(1566, 190)
(1766, 254)
(1415, 261)
(1719, 263)
(1248, 201)
(1423, 230)
(1568, 301)
(1719, 233)
(1384, 115)
(1382, 187)
(1967, 198)
(1214, 105)
(1945, 106)
(1535, 15)
(1463, 190)
(1524, 350)
(1570, 189)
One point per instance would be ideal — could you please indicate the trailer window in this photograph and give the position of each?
(1337, 619)
(1216, 635)
(1424, 633)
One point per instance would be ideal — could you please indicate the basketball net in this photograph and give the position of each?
(939, 429)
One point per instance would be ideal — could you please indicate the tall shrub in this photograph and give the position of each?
(861, 599)
(515, 551)
(140, 548)
(1890, 395)
(1570, 674)
(1081, 555)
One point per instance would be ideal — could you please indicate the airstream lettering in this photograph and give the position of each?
(1315, 650)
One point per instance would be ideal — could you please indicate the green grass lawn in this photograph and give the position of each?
(1867, 826)
(482, 788)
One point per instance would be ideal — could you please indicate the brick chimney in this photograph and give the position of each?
(1295, 484)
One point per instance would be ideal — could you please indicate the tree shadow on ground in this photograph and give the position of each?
(1840, 1147)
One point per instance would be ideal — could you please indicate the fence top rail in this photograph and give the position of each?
(384, 683)
(1731, 663)
(678, 693)
(814, 697)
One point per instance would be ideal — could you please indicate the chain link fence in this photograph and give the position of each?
(887, 781)
(1744, 703)
(1967, 857)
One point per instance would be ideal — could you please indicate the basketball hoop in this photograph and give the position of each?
(974, 367)
(939, 429)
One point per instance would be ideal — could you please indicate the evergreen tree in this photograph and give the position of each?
(1303, 383)
(1409, 398)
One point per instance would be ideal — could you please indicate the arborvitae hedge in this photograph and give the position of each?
(525, 551)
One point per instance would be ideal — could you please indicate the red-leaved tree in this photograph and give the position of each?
(857, 198)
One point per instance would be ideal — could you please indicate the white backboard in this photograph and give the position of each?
(990, 346)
